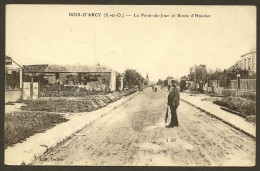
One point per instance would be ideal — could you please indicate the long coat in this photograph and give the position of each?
(174, 97)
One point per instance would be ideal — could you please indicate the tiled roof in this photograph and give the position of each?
(65, 68)
(34, 68)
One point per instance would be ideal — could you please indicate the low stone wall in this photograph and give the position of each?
(12, 95)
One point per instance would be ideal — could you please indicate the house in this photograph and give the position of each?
(12, 74)
(248, 62)
(90, 78)
(13, 80)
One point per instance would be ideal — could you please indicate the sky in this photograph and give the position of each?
(161, 47)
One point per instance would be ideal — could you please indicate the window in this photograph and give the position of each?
(249, 63)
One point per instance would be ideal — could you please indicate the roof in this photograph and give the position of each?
(250, 52)
(12, 67)
(34, 68)
(45, 68)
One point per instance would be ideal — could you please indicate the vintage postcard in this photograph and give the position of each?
(125, 85)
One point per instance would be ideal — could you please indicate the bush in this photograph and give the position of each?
(196, 91)
(20, 125)
(249, 96)
(239, 104)
(229, 92)
(251, 118)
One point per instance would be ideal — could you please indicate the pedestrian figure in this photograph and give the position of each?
(155, 89)
(139, 86)
(173, 102)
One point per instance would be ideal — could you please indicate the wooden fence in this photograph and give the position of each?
(245, 84)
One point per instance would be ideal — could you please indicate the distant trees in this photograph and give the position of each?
(198, 74)
(160, 82)
(215, 75)
(167, 81)
(184, 78)
(183, 83)
(227, 75)
(132, 78)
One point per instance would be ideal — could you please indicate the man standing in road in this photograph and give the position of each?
(173, 102)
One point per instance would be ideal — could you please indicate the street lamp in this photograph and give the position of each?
(238, 84)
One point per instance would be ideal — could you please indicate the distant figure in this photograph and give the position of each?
(139, 86)
(155, 89)
(173, 102)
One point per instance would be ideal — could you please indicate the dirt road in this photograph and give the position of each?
(135, 134)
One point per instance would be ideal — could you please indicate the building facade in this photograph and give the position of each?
(13, 73)
(70, 79)
(13, 80)
(248, 62)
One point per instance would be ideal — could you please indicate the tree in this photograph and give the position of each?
(184, 78)
(226, 76)
(215, 75)
(160, 82)
(198, 74)
(133, 78)
(165, 83)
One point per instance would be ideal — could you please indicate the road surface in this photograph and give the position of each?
(135, 135)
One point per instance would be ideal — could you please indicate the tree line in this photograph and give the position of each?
(133, 78)
(201, 74)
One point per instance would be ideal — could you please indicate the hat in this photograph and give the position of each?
(174, 83)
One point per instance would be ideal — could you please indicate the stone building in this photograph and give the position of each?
(248, 62)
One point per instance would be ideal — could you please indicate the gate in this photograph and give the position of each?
(30, 90)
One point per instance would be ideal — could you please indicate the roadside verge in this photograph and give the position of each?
(36, 145)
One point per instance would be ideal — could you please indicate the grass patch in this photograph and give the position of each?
(64, 105)
(59, 105)
(20, 125)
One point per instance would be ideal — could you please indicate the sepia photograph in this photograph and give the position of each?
(130, 85)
